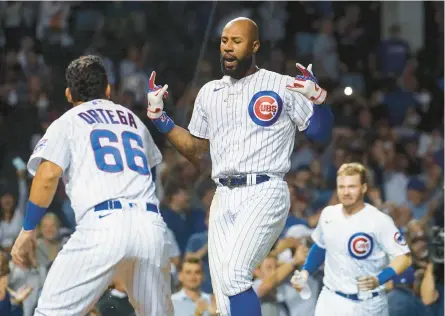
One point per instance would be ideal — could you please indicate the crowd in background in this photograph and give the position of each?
(390, 118)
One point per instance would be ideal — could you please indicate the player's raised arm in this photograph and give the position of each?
(306, 107)
(189, 146)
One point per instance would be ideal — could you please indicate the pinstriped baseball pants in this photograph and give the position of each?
(130, 244)
(244, 224)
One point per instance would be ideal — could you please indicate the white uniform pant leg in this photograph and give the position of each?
(147, 276)
(84, 268)
(258, 213)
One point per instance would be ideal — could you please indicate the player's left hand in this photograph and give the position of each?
(23, 251)
(307, 85)
(155, 96)
(368, 283)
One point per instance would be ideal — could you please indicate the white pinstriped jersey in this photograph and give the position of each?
(357, 245)
(105, 151)
(250, 123)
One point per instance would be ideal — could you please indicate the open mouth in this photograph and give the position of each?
(229, 62)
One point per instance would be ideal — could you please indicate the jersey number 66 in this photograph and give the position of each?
(131, 153)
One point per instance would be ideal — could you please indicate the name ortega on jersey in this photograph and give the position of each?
(265, 108)
(360, 245)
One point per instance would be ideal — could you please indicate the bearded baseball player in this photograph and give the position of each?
(248, 120)
(104, 154)
(356, 242)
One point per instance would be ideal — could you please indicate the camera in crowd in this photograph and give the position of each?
(436, 254)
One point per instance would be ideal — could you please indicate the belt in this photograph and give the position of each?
(353, 297)
(117, 205)
(243, 180)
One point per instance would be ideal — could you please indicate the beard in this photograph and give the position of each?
(239, 70)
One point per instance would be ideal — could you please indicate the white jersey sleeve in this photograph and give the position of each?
(317, 234)
(390, 238)
(153, 153)
(54, 147)
(199, 125)
(298, 107)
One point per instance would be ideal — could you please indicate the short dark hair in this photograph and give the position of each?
(191, 260)
(173, 188)
(86, 78)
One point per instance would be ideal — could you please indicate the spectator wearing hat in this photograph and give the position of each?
(416, 189)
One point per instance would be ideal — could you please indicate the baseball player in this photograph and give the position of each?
(358, 241)
(248, 120)
(104, 154)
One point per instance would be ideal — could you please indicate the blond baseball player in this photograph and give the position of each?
(356, 242)
(248, 120)
(104, 154)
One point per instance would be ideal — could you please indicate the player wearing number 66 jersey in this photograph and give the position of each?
(247, 120)
(104, 154)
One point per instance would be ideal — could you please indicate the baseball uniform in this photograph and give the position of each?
(358, 245)
(106, 154)
(251, 125)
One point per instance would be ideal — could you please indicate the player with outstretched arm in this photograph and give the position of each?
(356, 242)
(104, 154)
(248, 120)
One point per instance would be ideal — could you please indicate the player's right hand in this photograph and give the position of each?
(299, 280)
(155, 97)
(23, 252)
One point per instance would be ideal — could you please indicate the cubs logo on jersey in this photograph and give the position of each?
(265, 108)
(40, 145)
(360, 246)
(398, 238)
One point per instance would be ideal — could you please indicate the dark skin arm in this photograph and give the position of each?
(191, 147)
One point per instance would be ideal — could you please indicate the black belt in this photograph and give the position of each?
(239, 181)
(117, 205)
(353, 297)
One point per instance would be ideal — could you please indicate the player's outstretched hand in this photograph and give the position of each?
(367, 283)
(307, 85)
(155, 97)
(23, 251)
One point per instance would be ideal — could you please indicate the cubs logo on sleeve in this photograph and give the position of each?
(360, 246)
(398, 238)
(265, 108)
(40, 145)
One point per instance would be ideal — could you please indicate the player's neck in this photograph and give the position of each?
(194, 295)
(353, 209)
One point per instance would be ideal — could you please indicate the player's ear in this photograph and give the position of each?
(108, 91)
(256, 46)
(364, 188)
(68, 95)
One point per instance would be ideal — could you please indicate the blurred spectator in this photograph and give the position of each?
(190, 300)
(10, 301)
(393, 53)
(12, 213)
(326, 62)
(176, 212)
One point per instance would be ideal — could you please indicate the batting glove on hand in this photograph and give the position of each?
(155, 97)
(307, 85)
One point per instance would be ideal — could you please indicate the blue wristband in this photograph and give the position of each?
(164, 123)
(386, 275)
(33, 215)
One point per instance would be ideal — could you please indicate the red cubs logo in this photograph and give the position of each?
(360, 245)
(265, 108)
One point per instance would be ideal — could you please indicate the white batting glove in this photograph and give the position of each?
(155, 97)
(299, 279)
(307, 85)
